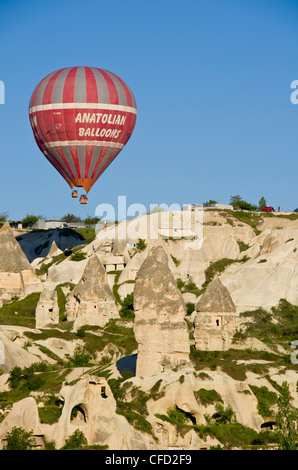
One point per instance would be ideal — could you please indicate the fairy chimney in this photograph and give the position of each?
(91, 302)
(159, 326)
(47, 309)
(16, 274)
(215, 320)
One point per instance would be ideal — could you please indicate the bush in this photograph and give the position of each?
(127, 310)
(78, 256)
(19, 439)
(206, 397)
(76, 441)
(81, 357)
(223, 415)
(141, 244)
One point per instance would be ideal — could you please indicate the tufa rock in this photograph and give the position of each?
(160, 328)
(54, 250)
(92, 302)
(215, 321)
(16, 274)
(47, 309)
(216, 298)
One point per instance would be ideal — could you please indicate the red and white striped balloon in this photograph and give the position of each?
(82, 117)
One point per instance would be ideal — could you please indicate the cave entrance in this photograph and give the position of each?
(78, 415)
(268, 424)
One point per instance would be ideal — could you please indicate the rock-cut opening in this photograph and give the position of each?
(78, 415)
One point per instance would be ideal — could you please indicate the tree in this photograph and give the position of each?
(211, 201)
(71, 218)
(285, 420)
(238, 203)
(76, 441)
(3, 216)
(141, 244)
(262, 203)
(81, 357)
(235, 199)
(19, 439)
(127, 310)
(91, 220)
(30, 219)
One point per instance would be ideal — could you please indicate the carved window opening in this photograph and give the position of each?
(78, 415)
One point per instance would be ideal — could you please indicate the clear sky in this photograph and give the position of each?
(212, 83)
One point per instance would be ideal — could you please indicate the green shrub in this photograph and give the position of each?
(265, 399)
(127, 309)
(207, 397)
(78, 256)
(19, 439)
(76, 441)
(141, 244)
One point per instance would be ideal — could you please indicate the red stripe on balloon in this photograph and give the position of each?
(91, 86)
(91, 97)
(126, 91)
(112, 90)
(69, 115)
(47, 94)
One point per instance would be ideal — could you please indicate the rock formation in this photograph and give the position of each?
(160, 328)
(24, 414)
(215, 320)
(47, 310)
(54, 250)
(92, 302)
(16, 274)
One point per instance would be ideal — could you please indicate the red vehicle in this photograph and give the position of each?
(268, 209)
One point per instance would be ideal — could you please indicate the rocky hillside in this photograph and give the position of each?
(204, 309)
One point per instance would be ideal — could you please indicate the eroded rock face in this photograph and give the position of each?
(160, 328)
(92, 302)
(47, 310)
(24, 414)
(216, 298)
(96, 417)
(16, 273)
(215, 321)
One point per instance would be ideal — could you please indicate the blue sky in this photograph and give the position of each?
(212, 83)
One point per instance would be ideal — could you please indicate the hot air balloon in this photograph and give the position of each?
(81, 118)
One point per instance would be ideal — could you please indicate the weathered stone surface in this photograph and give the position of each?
(14, 354)
(216, 298)
(215, 321)
(23, 414)
(96, 416)
(54, 250)
(160, 328)
(47, 310)
(16, 273)
(92, 302)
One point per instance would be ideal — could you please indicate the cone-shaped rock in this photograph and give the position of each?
(215, 322)
(16, 273)
(216, 298)
(160, 328)
(54, 250)
(47, 309)
(92, 302)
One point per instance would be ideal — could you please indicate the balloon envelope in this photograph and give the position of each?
(82, 117)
